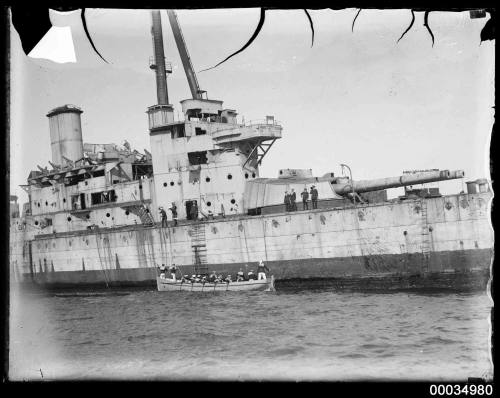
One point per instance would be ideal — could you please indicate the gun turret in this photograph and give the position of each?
(395, 182)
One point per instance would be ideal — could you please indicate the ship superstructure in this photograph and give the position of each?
(92, 218)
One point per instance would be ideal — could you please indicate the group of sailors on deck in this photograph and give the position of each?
(291, 197)
(214, 277)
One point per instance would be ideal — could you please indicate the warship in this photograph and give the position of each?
(93, 217)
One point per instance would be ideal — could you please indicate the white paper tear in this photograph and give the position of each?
(57, 45)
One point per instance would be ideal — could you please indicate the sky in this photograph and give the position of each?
(355, 97)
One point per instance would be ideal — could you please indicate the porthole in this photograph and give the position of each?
(36, 222)
(233, 201)
(127, 212)
(405, 233)
(172, 183)
(165, 184)
(209, 204)
(69, 218)
(253, 175)
(246, 175)
(281, 171)
(107, 214)
(207, 179)
(229, 176)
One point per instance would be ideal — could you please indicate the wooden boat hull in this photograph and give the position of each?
(168, 285)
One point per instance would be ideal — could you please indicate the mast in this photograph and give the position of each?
(183, 52)
(162, 113)
(158, 65)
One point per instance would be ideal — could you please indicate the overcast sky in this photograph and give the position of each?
(358, 98)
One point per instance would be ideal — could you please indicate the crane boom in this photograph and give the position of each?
(183, 52)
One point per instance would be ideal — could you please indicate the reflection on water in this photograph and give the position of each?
(290, 334)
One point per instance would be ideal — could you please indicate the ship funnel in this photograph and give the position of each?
(65, 133)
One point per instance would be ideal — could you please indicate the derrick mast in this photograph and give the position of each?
(196, 92)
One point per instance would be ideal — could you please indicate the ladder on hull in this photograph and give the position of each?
(199, 247)
(425, 233)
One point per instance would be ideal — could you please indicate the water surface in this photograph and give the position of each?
(286, 335)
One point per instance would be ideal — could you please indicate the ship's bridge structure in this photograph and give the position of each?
(208, 157)
(205, 159)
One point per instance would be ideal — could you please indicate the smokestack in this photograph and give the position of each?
(65, 133)
(159, 59)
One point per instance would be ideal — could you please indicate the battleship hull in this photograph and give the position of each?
(443, 242)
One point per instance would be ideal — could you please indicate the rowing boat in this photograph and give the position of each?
(169, 285)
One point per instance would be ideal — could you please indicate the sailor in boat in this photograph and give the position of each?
(173, 271)
(228, 279)
(163, 269)
(261, 270)
(213, 277)
(251, 275)
(240, 276)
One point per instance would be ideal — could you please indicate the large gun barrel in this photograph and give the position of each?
(395, 182)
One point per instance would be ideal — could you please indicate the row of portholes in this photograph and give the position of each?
(88, 216)
(207, 179)
(233, 201)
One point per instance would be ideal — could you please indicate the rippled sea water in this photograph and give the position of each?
(285, 335)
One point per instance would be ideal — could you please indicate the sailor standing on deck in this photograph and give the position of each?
(287, 201)
(305, 197)
(163, 215)
(261, 270)
(314, 197)
(173, 209)
(293, 198)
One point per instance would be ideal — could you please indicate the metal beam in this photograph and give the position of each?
(183, 52)
(264, 154)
